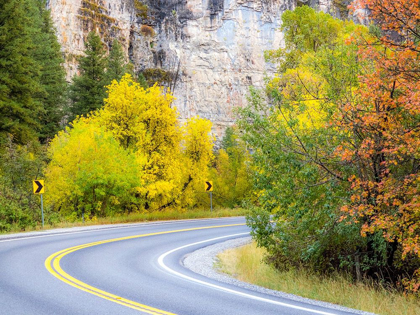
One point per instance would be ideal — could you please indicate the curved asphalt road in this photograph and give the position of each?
(132, 275)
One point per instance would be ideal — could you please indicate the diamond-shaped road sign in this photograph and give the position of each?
(208, 186)
(39, 187)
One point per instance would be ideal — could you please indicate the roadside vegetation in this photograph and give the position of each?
(109, 146)
(326, 157)
(247, 264)
(139, 217)
(336, 141)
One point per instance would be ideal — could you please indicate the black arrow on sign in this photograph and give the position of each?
(39, 187)
(209, 186)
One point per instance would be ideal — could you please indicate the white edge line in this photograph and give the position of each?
(129, 225)
(250, 296)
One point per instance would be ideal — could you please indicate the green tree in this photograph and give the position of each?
(301, 182)
(19, 165)
(87, 91)
(229, 139)
(232, 175)
(141, 79)
(116, 63)
(19, 73)
(89, 170)
(52, 74)
(302, 199)
(305, 30)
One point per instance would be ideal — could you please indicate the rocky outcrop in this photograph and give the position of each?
(217, 47)
(74, 19)
(212, 49)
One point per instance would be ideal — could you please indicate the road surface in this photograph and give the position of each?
(131, 269)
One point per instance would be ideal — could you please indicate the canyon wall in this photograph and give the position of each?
(212, 49)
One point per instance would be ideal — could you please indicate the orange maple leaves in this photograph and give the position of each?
(384, 121)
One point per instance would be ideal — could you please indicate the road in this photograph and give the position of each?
(131, 269)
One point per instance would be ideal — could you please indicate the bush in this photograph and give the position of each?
(19, 165)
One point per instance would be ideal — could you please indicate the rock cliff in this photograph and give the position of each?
(211, 50)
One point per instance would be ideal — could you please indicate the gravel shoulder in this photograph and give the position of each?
(203, 262)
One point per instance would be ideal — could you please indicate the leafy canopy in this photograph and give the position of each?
(160, 161)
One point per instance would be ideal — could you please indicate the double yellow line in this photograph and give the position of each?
(52, 263)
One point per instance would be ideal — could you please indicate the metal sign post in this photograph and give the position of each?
(208, 187)
(42, 211)
(39, 189)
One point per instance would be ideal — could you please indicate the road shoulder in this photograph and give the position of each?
(203, 261)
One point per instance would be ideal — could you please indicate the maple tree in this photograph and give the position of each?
(336, 145)
(384, 120)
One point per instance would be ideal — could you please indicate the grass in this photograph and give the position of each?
(144, 217)
(245, 263)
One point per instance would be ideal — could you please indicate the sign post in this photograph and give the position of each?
(39, 189)
(42, 211)
(208, 187)
(211, 201)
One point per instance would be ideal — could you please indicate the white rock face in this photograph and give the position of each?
(221, 54)
(215, 46)
(74, 19)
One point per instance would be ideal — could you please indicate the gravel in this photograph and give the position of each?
(203, 261)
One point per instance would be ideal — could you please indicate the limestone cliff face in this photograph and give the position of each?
(217, 48)
(74, 19)
(213, 49)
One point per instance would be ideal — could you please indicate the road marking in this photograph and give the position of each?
(214, 286)
(52, 263)
(127, 226)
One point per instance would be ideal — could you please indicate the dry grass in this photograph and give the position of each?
(145, 217)
(245, 264)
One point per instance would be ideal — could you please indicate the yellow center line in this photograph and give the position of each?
(52, 263)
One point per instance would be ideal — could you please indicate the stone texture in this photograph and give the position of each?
(73, 21)
(214, 48)
(220, 51)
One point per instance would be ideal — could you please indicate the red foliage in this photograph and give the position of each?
(384, 123)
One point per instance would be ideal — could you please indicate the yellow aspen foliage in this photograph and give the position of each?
(89, 169)
(302, 87)
(143, 121)
(198, 153)
(303, 94)
(138, 116)
(198, 145)
(129, 155)
(232, 175)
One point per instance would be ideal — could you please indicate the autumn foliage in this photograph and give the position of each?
(337, 145)
(384, 120)
(131, 155)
